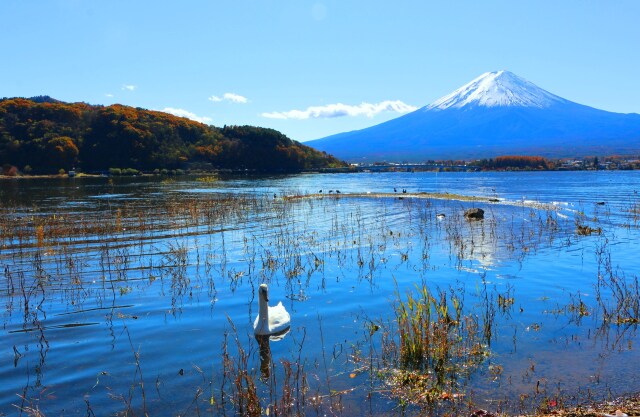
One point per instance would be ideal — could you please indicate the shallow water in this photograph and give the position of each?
(137, 316)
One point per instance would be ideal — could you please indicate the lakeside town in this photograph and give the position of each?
(507, 163)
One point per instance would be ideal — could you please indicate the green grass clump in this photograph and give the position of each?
(435, 343)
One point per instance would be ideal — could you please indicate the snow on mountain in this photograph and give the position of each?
(496, 114)
(499, 88)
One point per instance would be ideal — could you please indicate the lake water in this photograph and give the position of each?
(138, 295)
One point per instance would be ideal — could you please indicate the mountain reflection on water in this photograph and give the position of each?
(138, 295)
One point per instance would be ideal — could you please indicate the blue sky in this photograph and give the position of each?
(313, 68)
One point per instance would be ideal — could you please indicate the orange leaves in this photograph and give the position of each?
(63, 152)
(48, 135)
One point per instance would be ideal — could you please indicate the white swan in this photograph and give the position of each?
(271, 321)
(617, 414)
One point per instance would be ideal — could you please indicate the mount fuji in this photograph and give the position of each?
(496, 114)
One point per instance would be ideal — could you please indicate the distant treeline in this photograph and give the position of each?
(516, 162)
(532, 163)
(43, 136)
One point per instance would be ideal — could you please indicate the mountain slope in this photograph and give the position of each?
(43, 135)
(498, 113)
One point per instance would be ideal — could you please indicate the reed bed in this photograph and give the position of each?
(431, 345)
(421, 353)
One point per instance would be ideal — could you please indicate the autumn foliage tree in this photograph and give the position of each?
(47, 135)
(63, 153)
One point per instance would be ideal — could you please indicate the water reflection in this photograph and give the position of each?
(264, 343)
(265, 357)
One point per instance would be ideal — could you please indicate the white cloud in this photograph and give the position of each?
(109, 95)
(234, 98)
(341, 110)
(187, 114)
(129, 87)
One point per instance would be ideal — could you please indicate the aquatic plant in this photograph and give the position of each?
(617, 295)
(431, 345)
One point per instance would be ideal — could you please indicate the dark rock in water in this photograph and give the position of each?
(587, 231)
(474, 214)
(600, 203)
(494, 200)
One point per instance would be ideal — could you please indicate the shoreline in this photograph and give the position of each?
(47, 176)
(625, 405)
(246, 172)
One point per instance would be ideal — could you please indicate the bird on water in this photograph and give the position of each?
(271, 320)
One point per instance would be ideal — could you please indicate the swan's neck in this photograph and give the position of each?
(263, 313)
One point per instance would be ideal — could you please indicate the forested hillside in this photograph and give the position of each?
(42, 136)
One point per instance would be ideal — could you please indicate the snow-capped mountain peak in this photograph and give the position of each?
(496, 114)
(499, 88)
